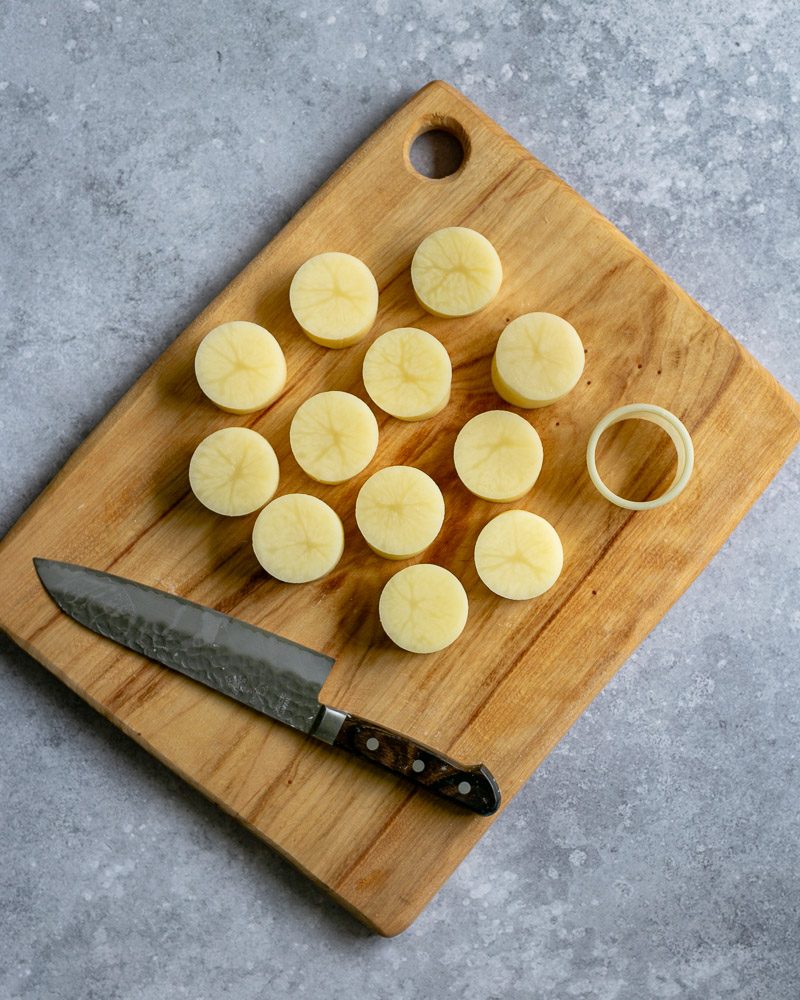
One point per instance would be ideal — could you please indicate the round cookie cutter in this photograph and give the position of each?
(666, 421)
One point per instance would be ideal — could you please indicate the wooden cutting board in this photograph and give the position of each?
(509, 689)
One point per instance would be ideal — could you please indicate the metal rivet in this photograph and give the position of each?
(464, 787)
(418, 765)
(372, 743)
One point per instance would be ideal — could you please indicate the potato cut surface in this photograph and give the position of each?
(240, 366)
(399, 511)
(334, 298)
(455, 272)
(407, 373)
(498, 455)
(423, 608)
(538, 359)
(298, 538)
(518, 555)
(333, 436)
(234, 471)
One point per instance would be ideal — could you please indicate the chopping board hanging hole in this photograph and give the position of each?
(437, 148)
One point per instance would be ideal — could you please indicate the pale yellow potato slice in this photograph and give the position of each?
(333, 436)
(334, 298)
(455, 272)
(423, 608)
(399, 511)
(240, 367)
(407, 373)
(518, 555)
(298, 538)
(498, 455)
(234, 471)
(538, 359)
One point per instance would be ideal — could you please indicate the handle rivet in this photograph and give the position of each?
(464, 787)
(372, 743)
(418, 765)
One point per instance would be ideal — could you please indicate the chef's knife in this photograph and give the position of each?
(273, 675)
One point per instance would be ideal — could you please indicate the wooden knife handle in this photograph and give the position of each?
(471, 786)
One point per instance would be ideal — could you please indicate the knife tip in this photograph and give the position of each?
(44, 569)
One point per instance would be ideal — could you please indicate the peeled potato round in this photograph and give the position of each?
(298, 538)
(240, 367)
(423, 608)
(333, 436)
(498, 455)
(334, 298)
(455, 272)
(399, 511)
(407, 373)
(518, 555)
(234, 471)
(538, 359)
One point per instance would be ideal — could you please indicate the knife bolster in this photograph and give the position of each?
(328, 724)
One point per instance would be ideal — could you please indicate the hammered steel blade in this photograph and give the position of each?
(273, 675)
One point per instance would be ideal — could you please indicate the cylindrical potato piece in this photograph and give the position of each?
(423, 608)
(298, 538)
(240, 367)
(334, 298)
(518, 555)
(407, 373)
(538, 359)
(455, 272)
(498, 455)
(333, 436)
(234, 471)
(399, 511)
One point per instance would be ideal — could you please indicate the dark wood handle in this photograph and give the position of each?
(472, 786)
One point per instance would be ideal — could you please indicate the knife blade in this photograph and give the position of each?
(269, 673)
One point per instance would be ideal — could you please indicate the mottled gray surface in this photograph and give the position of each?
(147, 150)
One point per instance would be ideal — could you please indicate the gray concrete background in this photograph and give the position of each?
(147, 151)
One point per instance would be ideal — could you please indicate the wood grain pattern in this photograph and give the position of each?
(522, 672)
